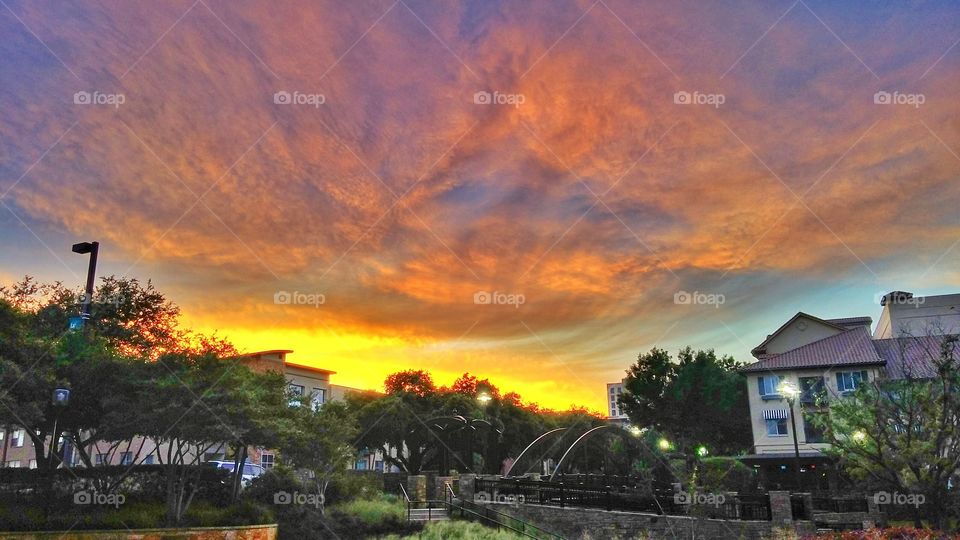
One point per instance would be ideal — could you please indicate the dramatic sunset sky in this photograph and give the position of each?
(593, 194)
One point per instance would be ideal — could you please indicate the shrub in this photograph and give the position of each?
(459, 530)
(373, 511)
(726, 474)
(892, 533)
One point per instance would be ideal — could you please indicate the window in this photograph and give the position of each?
(126, 458)
(811, 432)
(102, 459)
(318, 398)
(148, 460)
(848, 381)
(296, 391)
(16, 440)
(812, 390)
(266, 461)
(33, 464)
(768, 386)
(776, 428)
(13, 464)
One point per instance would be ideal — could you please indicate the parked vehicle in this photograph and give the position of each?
(250, 471)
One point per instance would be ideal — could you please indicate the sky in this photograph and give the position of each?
(530, 191)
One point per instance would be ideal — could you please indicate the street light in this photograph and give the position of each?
(664, 444)
(93, 248)
(484, 398)
(790, 391)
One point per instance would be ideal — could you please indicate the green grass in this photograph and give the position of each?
(376, 510)
(458, 530)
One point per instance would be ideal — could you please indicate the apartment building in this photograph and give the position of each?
(826, 359)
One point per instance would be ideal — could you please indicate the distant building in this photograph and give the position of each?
(311, 381)
(614, 411)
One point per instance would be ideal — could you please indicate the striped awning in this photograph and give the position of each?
(775, 414)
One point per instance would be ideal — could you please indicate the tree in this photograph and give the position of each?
(321, 443)
(698, 400)
(903, 435)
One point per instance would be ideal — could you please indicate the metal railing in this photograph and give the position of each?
(522, 491)
(840, 505)
(490, 517)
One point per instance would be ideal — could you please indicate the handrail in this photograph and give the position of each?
(462, 506)
(404, 491)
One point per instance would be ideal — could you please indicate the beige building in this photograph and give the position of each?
(826, 359)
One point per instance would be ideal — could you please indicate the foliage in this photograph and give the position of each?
(131, 372)
(698, 400)
(459, 530)
(445, 428)
(374, 510)
(321, 442)
(903, 435)
(718, 474)
(893, 533)
(132, 515)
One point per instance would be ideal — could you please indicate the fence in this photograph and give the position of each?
(840, 506)
(744, 507)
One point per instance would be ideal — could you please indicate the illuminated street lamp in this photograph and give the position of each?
(484, 398)
(859, 436)
(664, 444)
(790, 392)
(702, 451)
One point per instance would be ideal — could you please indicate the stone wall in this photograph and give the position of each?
(577, 523)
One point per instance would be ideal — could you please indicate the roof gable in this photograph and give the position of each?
(849, 348)
(790, 335)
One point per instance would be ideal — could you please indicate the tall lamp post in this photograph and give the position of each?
(790, 391)
(93, 248)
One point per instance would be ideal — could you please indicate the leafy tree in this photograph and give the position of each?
(321, 442)
(903, 435)
(698, 400)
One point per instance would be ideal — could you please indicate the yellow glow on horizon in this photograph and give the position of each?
(363, 360)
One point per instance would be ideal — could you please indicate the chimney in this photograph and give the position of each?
(896, 297)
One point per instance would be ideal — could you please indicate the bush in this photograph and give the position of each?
(373, 511)
(131, 515)
(459, 530)
(726, 474)
(893, 533)
(354, 485)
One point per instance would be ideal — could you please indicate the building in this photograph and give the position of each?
(614, 412)
(312, 381)
(826, 359)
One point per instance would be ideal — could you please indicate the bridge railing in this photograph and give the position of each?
(622, 498)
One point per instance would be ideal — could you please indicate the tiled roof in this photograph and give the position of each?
(911, 357)
(852, 347)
